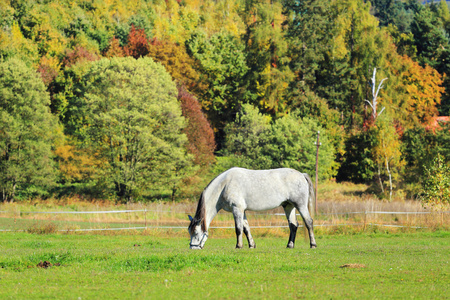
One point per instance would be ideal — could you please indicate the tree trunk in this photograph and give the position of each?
(13, 193)
(379, 179)
(174, 190)
(390, 180)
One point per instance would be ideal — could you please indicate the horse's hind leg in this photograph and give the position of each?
(289, 210)
(238, 215)
(308, 223)
(251, 242)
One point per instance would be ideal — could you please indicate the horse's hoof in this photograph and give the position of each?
(252, 247)
(290, 245)
(313, 246)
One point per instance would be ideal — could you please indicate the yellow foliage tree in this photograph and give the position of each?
(75, 164)
(13, 43)
(387, 152)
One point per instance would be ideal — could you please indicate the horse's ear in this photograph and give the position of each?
(190, 218)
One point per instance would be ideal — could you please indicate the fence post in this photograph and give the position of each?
(365, 220)
(317, 171)
(145, 216)
(157, 215)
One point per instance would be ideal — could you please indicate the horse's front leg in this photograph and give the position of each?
(251, 242)
(238, 215)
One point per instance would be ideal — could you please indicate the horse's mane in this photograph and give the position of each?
(200, 213)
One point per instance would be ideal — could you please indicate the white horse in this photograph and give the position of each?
(237, 190)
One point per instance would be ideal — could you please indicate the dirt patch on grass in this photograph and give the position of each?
(353, 266)
(47, 264)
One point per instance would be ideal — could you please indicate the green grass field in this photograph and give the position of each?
(137, 266)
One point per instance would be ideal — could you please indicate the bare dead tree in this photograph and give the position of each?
(375, 114)
(374, 102)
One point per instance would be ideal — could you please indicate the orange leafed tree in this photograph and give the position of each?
(138, 43)
(78, 55)
(423, 90)
(114, 49)
(178, 63)
(198, 131)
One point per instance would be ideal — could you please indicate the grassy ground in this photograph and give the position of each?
(138, 265)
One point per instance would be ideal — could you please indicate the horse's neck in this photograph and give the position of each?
(210, 214)
(212, 197)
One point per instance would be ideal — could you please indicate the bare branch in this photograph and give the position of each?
(369, 103)
(374, 102)
(379, 87)
(373, 80)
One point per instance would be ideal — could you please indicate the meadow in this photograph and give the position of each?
(136, 265)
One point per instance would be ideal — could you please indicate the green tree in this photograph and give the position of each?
(420, 147)
(269, 74)
(257, 143)
(292, 145)
(358, 163)
(360, 45)
(333, 46)
(436, 187)
(222, 62)
(429, 37)
(247, 137)
(308, 28)
(27, 131)
(444, 68)
(66, 91)
(309, 105)
(403, 41)
(444, 12)
(134, 122)
(393, 12)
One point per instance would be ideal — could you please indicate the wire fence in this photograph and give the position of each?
(148, 219)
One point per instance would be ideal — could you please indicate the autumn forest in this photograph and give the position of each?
(137, 100)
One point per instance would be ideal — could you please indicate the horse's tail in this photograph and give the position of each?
(312, 196)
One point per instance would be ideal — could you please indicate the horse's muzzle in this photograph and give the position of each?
(195, 247)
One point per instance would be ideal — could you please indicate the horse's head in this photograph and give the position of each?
(198, 235)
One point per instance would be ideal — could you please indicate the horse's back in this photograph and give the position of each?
(265, 178)
(263, 189)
